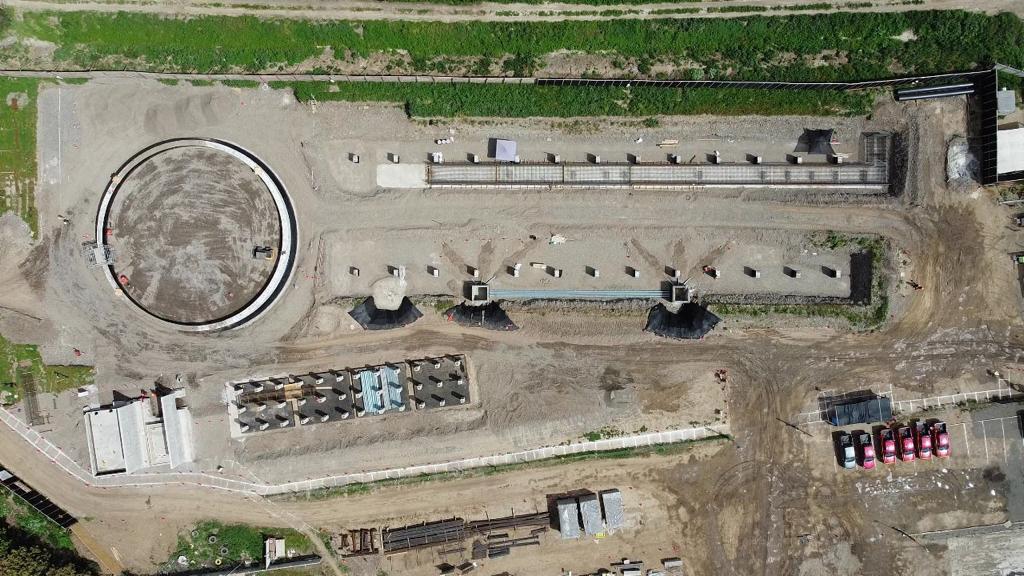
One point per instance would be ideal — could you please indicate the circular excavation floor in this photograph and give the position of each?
(200, 234)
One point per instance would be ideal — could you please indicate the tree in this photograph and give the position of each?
(21, 555)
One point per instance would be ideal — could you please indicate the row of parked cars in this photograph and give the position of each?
(921, 441)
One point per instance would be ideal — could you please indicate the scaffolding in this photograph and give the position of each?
(873, 172)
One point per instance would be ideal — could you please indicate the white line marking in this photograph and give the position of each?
(966, 441)
(997, 419)
(985, 434)
(1003, 428)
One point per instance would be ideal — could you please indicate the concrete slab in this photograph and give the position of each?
(1010, 150)
(402, 176)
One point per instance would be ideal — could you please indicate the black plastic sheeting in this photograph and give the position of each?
(489, 316)
(815, 142)
(692, 322)
(372, 318)
(878, 409)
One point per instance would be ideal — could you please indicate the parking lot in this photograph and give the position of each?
(985, 466)
(984, 473)
(978, 439)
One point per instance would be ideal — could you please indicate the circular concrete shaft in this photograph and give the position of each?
(201, 234)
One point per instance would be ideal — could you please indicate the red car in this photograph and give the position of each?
(923, 441)
(888, 441)
(940, 439)
(906, 443)
(867, 450)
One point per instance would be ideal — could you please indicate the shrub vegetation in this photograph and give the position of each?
(755, 47)
(512, 100)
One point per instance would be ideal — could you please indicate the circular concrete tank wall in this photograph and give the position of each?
(201, 234)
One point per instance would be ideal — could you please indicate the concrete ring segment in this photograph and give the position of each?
(200, 232)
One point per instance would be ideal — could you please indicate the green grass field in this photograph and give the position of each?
(618, 454)
(21, 361)
(18, 149)
(509, 100)
(755, 47)
(238, 542)
(19, 513)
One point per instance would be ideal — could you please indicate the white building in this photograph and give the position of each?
(139, 434)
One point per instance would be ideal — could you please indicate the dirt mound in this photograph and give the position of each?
(489, 316)
(370, 317)
(691, 322)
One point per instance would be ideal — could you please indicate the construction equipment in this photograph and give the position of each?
(265, 252)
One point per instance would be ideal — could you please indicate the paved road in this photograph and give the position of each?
(490, 11)
(259, 488)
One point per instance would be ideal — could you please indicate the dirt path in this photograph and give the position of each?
(737, 501)
(489, 11)
(109, 564)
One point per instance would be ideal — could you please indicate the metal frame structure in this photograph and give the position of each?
(873, 172)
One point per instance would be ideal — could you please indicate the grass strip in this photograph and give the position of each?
(21, 361)
(20, 513)
(515, 100)
(231, 543)
(18, 149)
(803, 47)
(618, 454)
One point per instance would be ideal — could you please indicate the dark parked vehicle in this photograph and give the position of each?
(847, 454)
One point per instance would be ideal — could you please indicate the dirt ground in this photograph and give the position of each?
(549, 11)
(768, 501)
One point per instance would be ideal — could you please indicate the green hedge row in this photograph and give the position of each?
(754, 47)
(512, 100)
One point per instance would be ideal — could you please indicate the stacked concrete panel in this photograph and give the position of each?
(590, 511)
(611, 501)
(568, 518)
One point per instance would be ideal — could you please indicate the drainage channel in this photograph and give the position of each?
(579, 294)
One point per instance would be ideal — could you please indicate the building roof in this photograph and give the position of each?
(505, 150)
(177, 430)
(133, 437)
(129, 437)
(568, 518)
(103, 434)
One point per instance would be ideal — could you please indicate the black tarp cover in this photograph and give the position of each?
(372, 318)
(815, 142)
(489, 316)
(878, 409)
(691, 322)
